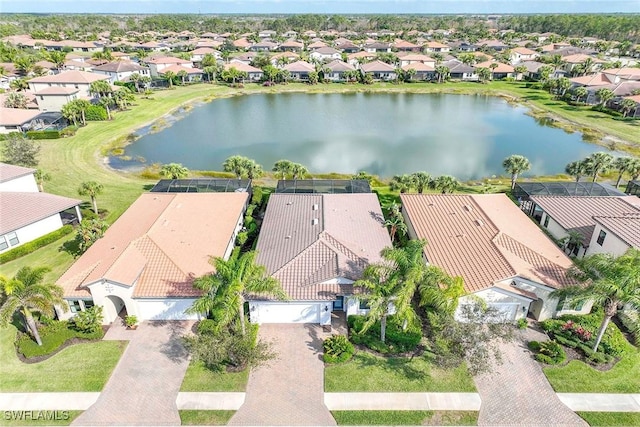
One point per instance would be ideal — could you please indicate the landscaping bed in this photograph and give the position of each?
(55, 336)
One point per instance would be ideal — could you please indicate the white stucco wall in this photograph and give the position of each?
(511, 307)
(83, 88)
(23, 184)
(53, 102)
(556, 230)
(612, 244)
(37, 229)
(102, 290)
(164, 308)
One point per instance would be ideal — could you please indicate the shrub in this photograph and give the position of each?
(43, 134)
(36, 244)
(553, 351)
(567, 342)
(397, 340)
(248, 220)
(522, 323)
(206, 326)
(88, 321)
(256, 198)
(337, 349)
(241, 238)
(95, 113)
(69, 131)
(131, 320)
(53, 335)
(250, 210)
(534, 346)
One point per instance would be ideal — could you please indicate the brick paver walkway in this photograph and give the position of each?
(518, 393)
(144, 385)
(290, 390)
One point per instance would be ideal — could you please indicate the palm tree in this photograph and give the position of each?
(182, 74)
(237, 165)
(515, 165)
(484, 74)
(562, 84)
(253, 169)
(576, 169)
(169, 76)
(298, 171)
(70, 112)
(604, 95)
(621, 164)
(607, 281)
(26, 293)
(580, 92)
(225, 290)
(627, 105)
(174, 171)
(598, 162)
(15, 100)
(101, 88)
(446, 184)
(24, 64)
(634, 169)
(401, 183)
(58, 58)
(420, 181)
(41, 176)
(557, 61)
(19, 85)
(282, 167)
(443, 73)
(91, 189)
(395, 221)
(135, 78)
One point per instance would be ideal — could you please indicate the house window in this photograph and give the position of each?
(41, 98)
(601, 237)
(13, 239)
(563, 304)
(3, 243)
(546, 221)
(364, 305)
(88, 304)
(74, 305)
(76, 86)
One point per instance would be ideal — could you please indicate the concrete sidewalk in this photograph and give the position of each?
(599, 402)
(210, 401)
(47, 401)
(402, 401)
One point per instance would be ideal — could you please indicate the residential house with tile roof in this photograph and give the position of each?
(27, 213)
(80, 80)
(609, 224)
(317, 245)
(502, 256)
(146, 262)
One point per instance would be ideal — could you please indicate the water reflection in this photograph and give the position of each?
(384, 134)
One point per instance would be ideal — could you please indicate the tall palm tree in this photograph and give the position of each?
(91, 189)
(19, 85)
(174, 171)
(515, 165)
(225, 290)
(15, 100)
(597, 163)
(628, 105)
(401, 183)
(135, 78)
(634, 169)
(169, 76)
(576, 169)
(283, 168)
(100, 88)
(237, 165)
(420, 181)
(394, 220)
(58, 58)
(254, 170)
(298, 171)
(607, 281)
(621, 164)
(580, 92)
(604, 95)
(26, 293)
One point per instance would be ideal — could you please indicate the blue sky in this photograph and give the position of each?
(320, 6)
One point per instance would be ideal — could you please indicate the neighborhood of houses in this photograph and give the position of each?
(335, 56)
(317, 241)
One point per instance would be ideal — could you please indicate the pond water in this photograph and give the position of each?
(466, 136)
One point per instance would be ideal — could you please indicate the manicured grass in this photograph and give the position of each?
(369, 373)
(406, 418)
(53, 336)
(199, 378)
(611, 418)
(578, 377)
(81, 367)
(205, 418)
(38, 418)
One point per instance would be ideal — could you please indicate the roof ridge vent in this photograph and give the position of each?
(479, 222)
(314, 207)
(314, 221)
(468, 208)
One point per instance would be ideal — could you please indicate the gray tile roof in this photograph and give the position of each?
(626, 227)
(22, 209)
(307, 241)
(9, 172)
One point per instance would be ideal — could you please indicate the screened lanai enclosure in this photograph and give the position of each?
(202, 185)
(323, 186)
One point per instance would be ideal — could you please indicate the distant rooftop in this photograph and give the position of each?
(202, 185)
(323, 186)
(524, 190)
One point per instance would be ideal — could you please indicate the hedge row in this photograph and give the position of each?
(34, 245)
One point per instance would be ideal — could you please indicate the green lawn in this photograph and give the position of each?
(611, 418)
(81, 367)
(578, 377)
(38, 418)
(205, 418)
(199, 378)
(406, 418)
(369, 373)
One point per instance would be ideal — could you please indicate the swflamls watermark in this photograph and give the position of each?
(36, 415)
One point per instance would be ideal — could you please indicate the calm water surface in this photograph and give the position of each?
(385, 134)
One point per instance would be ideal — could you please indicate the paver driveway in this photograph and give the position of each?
(290, 390)
(518, 393)
(144, 385)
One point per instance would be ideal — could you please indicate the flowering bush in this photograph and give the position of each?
(577, 330)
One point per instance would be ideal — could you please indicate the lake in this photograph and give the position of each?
(466, 136)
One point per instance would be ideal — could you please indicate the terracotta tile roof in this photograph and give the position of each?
(524, 51)
(16, 116)
(576, 213)
(418, 66)
(339, 66)
(73, 76)
(484, 239)
(501, 68)
(164, 240)
(168, 60)
(21, 209)
(626, 227)
(9, 172)
(299, 67)
(119, 67)
(598, 79)
(305, 254)
(377, 66)
(241, 66)
(58, 90)
(178, 68)
(418, 57)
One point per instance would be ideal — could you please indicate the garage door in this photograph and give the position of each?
(506, 312)
(286, 313)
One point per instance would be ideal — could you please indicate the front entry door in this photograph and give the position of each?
(338, 304)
